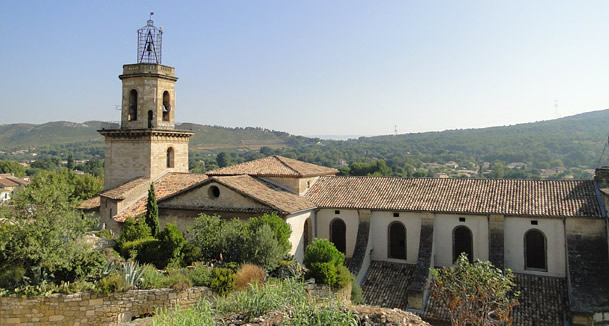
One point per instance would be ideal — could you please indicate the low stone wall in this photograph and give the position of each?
(91, 308)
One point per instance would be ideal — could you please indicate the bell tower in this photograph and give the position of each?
(146, 144)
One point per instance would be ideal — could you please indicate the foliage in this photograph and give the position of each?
(200, 274)
(249, 274)
(330, 313)
(171, 242)
(323, 260)
(82, 265)
(143, 250)
(43, 229)
(263, 249)
(152, 212)
(133, 230)
(223, 281)
(474, 294)
(190, 254)
(115, 282)
(205, 233)
(288, 269)
(177, 280)
(201, 314)
(151, 278)
(343, 277)
(106, 234)
(10, 166)
(133, 273)
(11, 278)
(356, 292)
(281, 229)
(223, 159)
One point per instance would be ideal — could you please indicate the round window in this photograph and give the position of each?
(214, 192)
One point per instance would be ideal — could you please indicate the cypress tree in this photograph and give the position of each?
(152, 212)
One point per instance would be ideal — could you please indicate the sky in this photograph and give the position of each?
(319, 67)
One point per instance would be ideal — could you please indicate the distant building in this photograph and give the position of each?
(10, 183)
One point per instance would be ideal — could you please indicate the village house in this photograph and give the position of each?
(10, 183)
(551, 233)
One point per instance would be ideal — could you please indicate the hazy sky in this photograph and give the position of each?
(314, 67)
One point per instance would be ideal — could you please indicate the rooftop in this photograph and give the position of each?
(275, 166)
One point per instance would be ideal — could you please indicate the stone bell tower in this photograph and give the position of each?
(146, 144)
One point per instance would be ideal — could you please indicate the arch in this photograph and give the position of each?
(463, 241)
(338, 234)
(308, 232)
(132, 113)
(170, 157)
(166, 105)
(535, 250)
(150, 117)
(396, 240)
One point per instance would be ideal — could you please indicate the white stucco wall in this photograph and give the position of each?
(444, 224)
(351, 219)
(297, 222)
(379, 228)
(514, 230)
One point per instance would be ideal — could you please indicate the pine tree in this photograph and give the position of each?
(152, 211)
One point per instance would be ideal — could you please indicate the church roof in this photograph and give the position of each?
(275, 166)
(539, 198)
(164, 187)
(121, 192)
(277, 199)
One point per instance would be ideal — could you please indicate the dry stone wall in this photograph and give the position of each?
(91, 308)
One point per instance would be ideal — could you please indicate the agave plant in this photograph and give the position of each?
(108, 268)
(133, 273)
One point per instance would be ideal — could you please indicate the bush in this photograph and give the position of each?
(177, 280)
(223, 281)
(113, 283)
(288, 269)
(171, 243)
(281, 230)
(343, 277)
(82, 266)
(143, 250)
(11, 277)
(323, 261)
(106, 234)
(205, 234)
(249, 274)
(151, 278)
(133, 230)
(234, 241)
(190, 254)
(200, 275)
(356, 293)
(263, 249)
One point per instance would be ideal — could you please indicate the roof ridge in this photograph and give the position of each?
(279, 158)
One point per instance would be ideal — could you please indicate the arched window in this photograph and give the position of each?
(170, 157)
(535, 250)
(308, 232)
(132, 105)
(338, 234)
(397, 240)
(166, 106)
(150, 116)
(463, 242)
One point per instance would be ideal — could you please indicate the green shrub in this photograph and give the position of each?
(356, 293)
(234, 241)
(171, 243)
(223, 281)
(177, 280)
(323, 261)
(113, 283)
(133, 230)
(288, 269)
(343, 277)
(151, 278)
(281, 230)
(200, 275)
(145, 250)
(205, 234)
(83, 265)
(263, 249)
(11, 277)
(190, 254)
(106, 234)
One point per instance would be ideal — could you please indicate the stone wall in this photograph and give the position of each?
(91, 308)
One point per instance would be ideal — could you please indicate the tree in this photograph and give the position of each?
(152, 212)
(9, 166)
(474, 293)
(223, 159)
(280, 228)
(70, 164)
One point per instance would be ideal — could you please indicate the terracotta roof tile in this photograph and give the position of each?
(275, 166)
(386, 284)
(552, 198)
(90, 203)
(121, 191)
(7, 180)
(165, 186)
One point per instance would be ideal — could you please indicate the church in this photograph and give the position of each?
(551, 233)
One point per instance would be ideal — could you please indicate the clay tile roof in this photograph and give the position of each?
(539, 198)
(91, 203)
(7, 180)
(275, 166)
(165, 186)
(264, 192)
(121, 191)
(386, 284)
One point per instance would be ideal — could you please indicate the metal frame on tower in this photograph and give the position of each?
(149, 43)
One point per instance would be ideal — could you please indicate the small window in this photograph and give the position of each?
(534, 222)
(396, 214)
(336, 212)
(132, 105)
(214, 192)
(461, 219)
(535, 251)
(166, 106)
(170, 157)
(308, 184)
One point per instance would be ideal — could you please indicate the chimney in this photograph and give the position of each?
(601, 176)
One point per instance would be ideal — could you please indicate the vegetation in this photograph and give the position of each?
(152, 212)
(223, 281)
(249, 274)
(325, 264)
(474, 293)
(10, 166)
